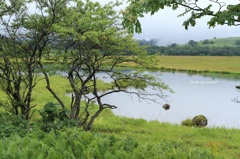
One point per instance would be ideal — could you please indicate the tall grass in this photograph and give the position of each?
(219, 142)
(220, 64)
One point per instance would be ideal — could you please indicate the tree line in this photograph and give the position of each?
(192, 48)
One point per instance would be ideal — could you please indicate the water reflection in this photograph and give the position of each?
(194, 95)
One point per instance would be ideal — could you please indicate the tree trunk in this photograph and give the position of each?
(76, 107)
(90, 123)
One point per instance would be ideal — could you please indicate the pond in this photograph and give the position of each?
(194, 95)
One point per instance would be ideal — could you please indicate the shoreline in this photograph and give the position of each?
(226, 74)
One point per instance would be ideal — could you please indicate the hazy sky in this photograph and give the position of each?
(167, 27)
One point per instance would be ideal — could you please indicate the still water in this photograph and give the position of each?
(194, 95)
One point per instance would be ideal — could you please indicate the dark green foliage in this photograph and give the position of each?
(50, 112)
(173, 45)
(237, 42)
(187, 122)
(202, 51)
(12, 124)
(192, 43)
(75, 143)
(221, 47)
(55, 118)
(205, 42)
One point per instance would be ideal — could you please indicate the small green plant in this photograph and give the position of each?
(55, 118)
(187, 122)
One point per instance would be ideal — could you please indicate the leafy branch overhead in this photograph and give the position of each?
(221, 13)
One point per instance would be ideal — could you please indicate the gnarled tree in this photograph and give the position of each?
(92, 43)
(25, 38)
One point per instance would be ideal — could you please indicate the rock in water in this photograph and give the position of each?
(200, 121)
(238, 87)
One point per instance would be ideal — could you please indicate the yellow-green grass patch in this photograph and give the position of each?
(222, 64)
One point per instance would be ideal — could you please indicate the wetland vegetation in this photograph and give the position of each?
(38, 118)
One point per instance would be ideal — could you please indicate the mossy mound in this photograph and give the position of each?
(200, 121)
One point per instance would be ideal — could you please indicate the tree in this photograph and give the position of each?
(237, 42)
(192, 43)
(173, 45)
(92, 41)
(26, 38)
(16, 68)
(211, 42)
(85, 39)
(205, 42)
(223, 15)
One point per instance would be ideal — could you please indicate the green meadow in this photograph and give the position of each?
(217, 64)
(220, 42)
(114, 137)
(45, 115)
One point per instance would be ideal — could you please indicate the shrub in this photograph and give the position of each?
(55, 118)
(200, 121)
(187, 122)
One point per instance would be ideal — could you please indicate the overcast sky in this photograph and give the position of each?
(167, 27)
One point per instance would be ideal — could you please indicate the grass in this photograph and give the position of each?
(218, 42)
(217, 64)
(222, 143)
(221, 42)
(219, 142)
(41, 96)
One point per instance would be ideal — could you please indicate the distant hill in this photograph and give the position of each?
(220, 42)
(207, 47)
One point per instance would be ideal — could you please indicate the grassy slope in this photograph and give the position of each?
(221, 42)
(201, 63)
(218, 141)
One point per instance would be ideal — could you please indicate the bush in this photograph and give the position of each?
(200, 121)
(187, 122)
(55, 118)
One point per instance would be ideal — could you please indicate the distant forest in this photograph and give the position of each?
(194, 48)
